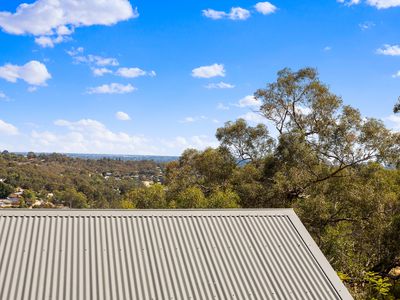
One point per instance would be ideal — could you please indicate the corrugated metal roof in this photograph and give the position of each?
(161, 254)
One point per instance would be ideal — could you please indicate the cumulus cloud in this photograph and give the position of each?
(395, 121)
(222, 106)
(214, 14)
(199, 142)
(193, 119)
(91, 60)
(52, 20)
(101, 65)
(92, 136)
(265, 8)
(236, 13)
(122, 116)
(96, 60)
(219, 85)
(49, 42)
(379, 4)
(2, 95)
(112, 88)
(75, 51)
(209, 71)
(253, 117)
(349, 2)
(89, 136)
(134, 72)
(7, 128)
(101, 71)
(249, 101)
(392, 50)
(366, 25)
(33, 72)
(396, 75)
(32, 89)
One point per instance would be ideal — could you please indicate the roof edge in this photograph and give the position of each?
(316, 252)
(147, 212)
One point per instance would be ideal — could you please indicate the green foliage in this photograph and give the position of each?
(192, 197)
(223, 199)
(343, 277)
(126, 204)
(71, 198)
(49, 173)
(5, 189)
(245, 143)
(147, 197)
(208, 170)
(379, 286)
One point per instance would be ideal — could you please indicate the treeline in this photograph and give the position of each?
(73, 182)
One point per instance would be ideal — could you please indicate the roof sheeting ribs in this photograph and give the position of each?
(161, 254)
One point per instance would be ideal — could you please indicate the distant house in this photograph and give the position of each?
(147, 183)
(162, 254)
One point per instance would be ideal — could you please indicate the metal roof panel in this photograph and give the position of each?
(162, 254)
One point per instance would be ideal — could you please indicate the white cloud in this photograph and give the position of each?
(54, 19)
(96, 60)
(188, 120)
(349, 2)
(395, 120)
(327, 48)
(222, 106)
(366, 25)
(7, 128)
(303, 110)
(265, 8)
(380, 4)
(122, 116)
(101, 71)
(75, 51)
(396, 75)
(249, 101)
(199, 142)
(32, 89)
(236, 13)
(92, 60)
(2, 95)
(392, 50)
(134, 72)
(253, 117)
(112, 88)
(101, 65)
(219, 85)
(209, 71)
(33, 72)
(214, 14)
(48, 41)
(193, 119)
(89, 136)
(92, 136)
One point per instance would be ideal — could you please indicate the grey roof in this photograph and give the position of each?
(161, 254)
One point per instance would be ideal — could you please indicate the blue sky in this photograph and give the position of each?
(156, 77)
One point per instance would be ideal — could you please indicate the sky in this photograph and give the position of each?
(157, 77)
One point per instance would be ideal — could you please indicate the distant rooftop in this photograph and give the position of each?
(161, 254)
